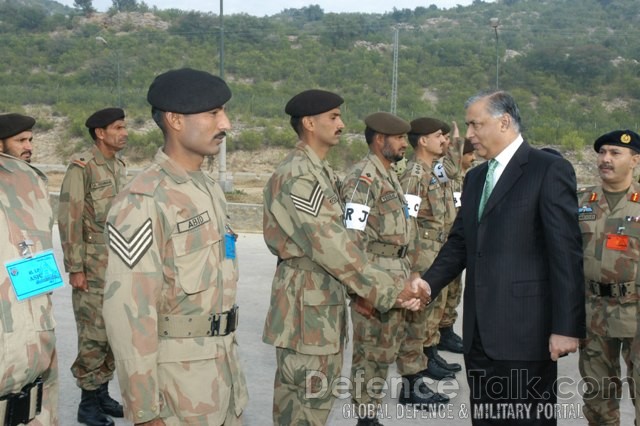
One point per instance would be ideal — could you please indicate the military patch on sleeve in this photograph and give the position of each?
(131, 250)
(311, 204)
(366, 178)
(193, 222)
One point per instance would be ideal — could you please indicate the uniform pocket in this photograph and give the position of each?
(323, 314)
(101, 200)
(197, 255)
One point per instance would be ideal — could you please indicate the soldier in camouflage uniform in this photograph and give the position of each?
(451, 162)
(93, 179)
(19, 144)
(420, 179)
(29, 362)
(377, 336)
(609, 218)
(170, 293)
(317, 261)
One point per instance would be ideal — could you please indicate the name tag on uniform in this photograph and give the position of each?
(34, 276)
(617, 242)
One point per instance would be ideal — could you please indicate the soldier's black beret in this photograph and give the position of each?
(446, 129)
(619, 137)
(312, 102)
(104, 117)
(12, 124)
(425, 126)
(188, 91)
(387, 123)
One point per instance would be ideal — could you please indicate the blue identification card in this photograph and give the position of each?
(229, 246)
(33, 276)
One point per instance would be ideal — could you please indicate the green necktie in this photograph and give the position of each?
(488, 186)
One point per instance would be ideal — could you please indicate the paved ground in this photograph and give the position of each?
(256, 270)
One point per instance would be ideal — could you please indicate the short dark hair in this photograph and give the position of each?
(369, 133)
(296, 123)
(158, 117)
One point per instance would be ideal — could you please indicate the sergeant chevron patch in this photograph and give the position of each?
(312, 204)
(131, 250)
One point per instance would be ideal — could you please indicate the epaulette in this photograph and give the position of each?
(147, 181)
(417, 170)
(82, 159)
(586, 194)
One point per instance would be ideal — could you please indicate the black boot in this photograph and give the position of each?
(109, 405)
(434, 370)
(450, 341)
(89, 411)
(416, 392)
(453, 366)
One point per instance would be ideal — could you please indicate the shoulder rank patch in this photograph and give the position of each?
(193, 222)
(635, 197)
(366, 178)
(79, 162)
(417, 170)
(593, 197)
(312, 204)
(131, 250)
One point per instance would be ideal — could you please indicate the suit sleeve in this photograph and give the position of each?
(70, 210)
(563, 240)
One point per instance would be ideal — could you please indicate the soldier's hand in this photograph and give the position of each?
(78, 280)
(424, 292)
(363, 307)
(411, 295)
(455, 132)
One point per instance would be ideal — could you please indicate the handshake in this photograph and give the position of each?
(415, 295)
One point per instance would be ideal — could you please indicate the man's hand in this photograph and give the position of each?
(363, 307)
(455, 132)
(562, 345)
(415, 295)
(78, 280)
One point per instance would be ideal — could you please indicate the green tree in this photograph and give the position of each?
(86, 6)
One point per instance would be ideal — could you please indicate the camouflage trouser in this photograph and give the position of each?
(435, 310)
(231, 420)
(50, 392)
(411, 357)
(301, 395)
(376, 343)
(94, 364)
(599, 365)
(454, 295)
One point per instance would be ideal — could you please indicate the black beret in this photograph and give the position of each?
(387, 123)
(104, 117)
(619, 137)
(312, 102)
(468, 146)
(12, 124)
(446, 129)
(188, 91)
(425, 126)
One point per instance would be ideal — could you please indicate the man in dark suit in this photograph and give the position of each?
(517, 234)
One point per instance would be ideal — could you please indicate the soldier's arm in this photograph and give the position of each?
(70, 212)
(136, 235)
(452, 161)
(318, 229)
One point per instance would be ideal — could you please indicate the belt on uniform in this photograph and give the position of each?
(22, 407)
(430, 234)
(387, 250)
(185, 326)
(303, 263)
(94, 237)
(613, 289)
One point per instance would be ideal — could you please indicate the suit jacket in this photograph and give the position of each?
(523, 258)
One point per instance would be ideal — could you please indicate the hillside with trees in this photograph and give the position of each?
(571, 64)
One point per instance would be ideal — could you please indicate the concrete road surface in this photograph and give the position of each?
(257, 266)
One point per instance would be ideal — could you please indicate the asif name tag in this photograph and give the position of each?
(34, 276)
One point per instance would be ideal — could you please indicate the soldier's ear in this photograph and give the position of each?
(174, 120)
(307, 123)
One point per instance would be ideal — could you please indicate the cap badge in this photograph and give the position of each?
(625, 138)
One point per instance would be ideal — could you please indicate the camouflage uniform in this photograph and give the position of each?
(28, 342)
(453, 169)
(171, 268)
(88, 188)
(306, 322)
(429, 236)
(377, 340)
(611, 275)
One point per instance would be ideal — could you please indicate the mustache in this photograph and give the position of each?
(220, 135)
